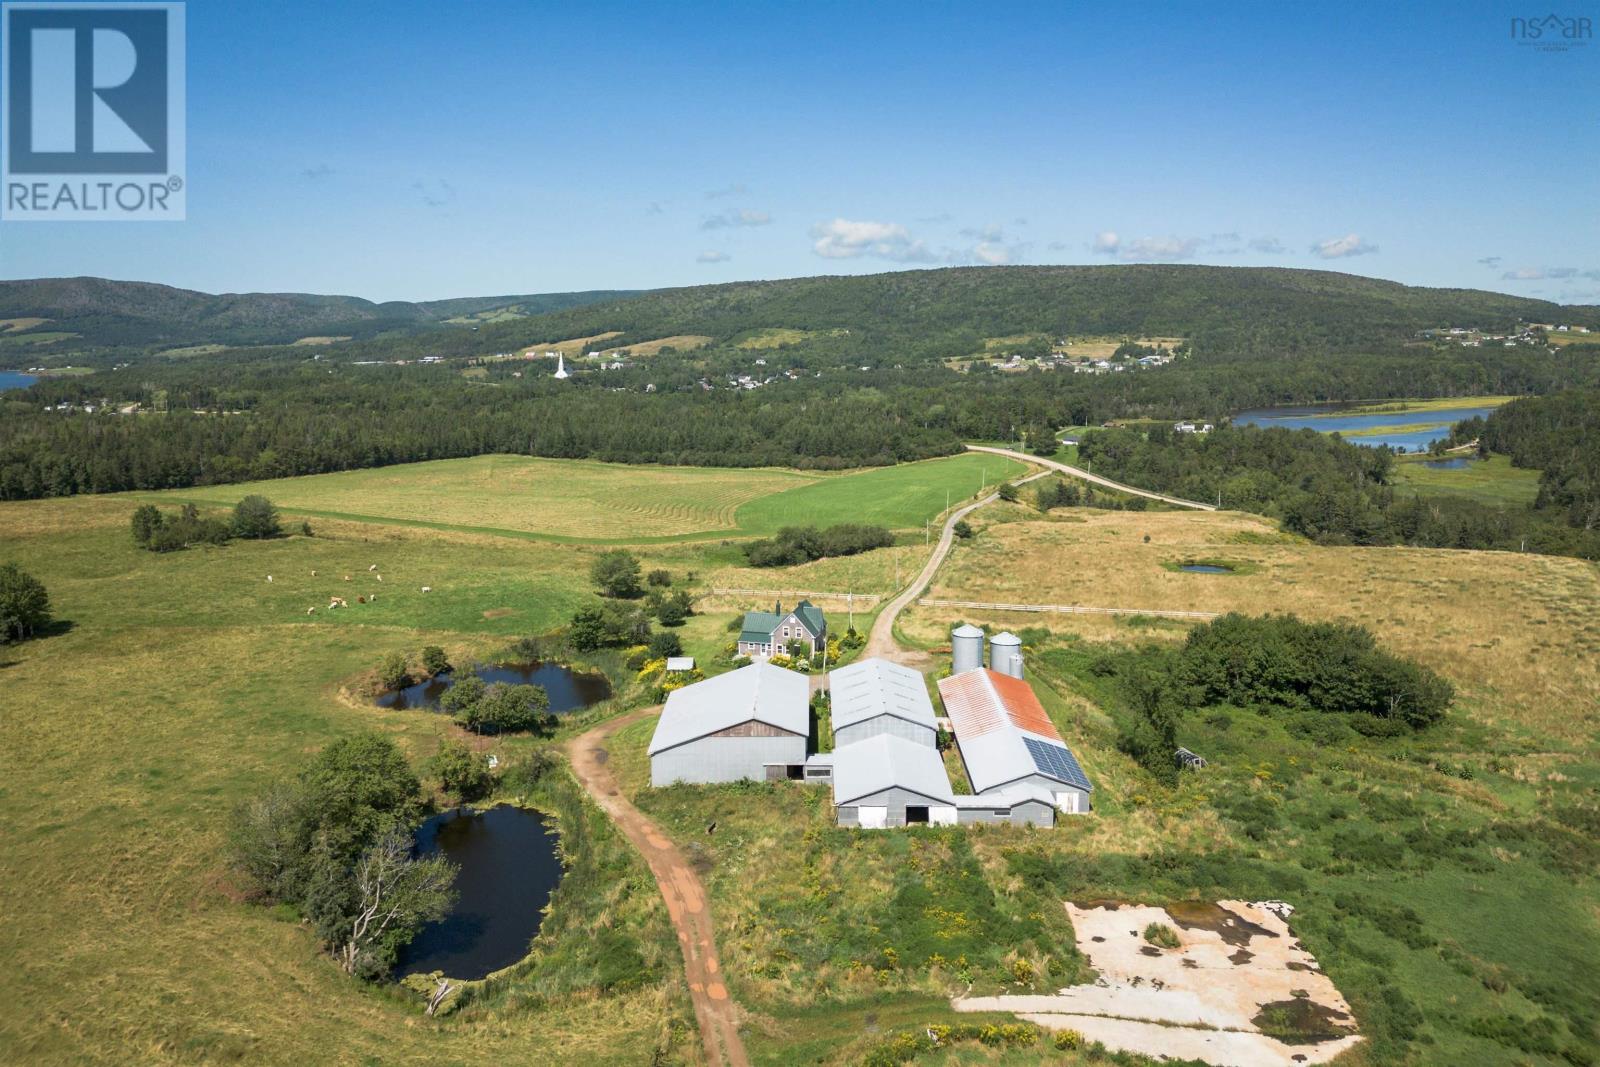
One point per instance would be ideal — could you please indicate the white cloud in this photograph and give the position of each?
(1531, 274)
(1350, 244)
(712, 257)
(847, 239)
(992, 252)
(1108, 243)
(1269, 246)
(732, 219)
(1492, 262)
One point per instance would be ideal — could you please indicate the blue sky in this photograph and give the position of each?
(401, 150)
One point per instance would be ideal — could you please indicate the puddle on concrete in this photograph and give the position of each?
(1301, 1021)
(1199, 915)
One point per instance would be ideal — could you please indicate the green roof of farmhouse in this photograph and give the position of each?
(758, 625)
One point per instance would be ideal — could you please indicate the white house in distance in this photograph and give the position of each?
(749, 723)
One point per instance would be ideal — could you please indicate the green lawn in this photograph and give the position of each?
(1493, 481)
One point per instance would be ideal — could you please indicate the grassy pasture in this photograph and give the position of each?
(592, 502)
(1493, 481)
(1519, 630)
(574, 347)
(184, 683)
(683, 342)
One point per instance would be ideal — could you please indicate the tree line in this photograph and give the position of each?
(1324, 488)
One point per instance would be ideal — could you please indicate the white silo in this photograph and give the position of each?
(966, 649)
(1005, 654)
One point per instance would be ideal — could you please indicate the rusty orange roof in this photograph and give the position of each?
(981, 700)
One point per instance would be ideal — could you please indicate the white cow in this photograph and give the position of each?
(427, 589)
(269, 579)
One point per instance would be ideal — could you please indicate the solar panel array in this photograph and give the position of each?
(1056, 761)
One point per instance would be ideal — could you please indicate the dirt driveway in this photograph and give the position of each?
(687, 904)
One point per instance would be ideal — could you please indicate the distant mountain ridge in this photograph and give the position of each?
(103, 312)
(912, 315)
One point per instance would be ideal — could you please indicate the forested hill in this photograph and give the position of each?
(909, 316)
(94, 313)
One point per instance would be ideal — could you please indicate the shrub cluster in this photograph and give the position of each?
(802, 544)
(254, 517)
(24, 604)
(499, 708)
(1331, 667)
(336, 841)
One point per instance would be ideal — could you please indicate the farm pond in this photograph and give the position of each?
(509, 866)
(568, 690)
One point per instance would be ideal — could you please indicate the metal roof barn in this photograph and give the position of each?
(749, 723)
(886, 762)
(1004, 734)
(875, 687)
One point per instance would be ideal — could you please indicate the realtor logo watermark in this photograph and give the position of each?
(1552, 33)
(93, 122)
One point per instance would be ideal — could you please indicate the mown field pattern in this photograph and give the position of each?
(592, 502)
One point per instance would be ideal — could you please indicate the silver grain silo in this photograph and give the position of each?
(966, 649)
(1005, 654)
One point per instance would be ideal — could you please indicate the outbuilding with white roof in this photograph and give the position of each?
(875, 697)
(749, 723)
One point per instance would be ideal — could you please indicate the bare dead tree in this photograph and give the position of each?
(395, 892)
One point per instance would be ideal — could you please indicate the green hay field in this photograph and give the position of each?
(1493, 481)
(593, 503)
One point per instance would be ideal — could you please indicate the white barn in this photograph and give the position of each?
(886, 780)
(875, 697)
(749, 723)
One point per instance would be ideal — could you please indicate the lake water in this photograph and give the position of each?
(10, 379)
(568, 690)
(1326, 418)
(1204, 568)
(509, 866)
(1457, 463)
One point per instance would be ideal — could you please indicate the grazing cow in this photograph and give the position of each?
(313, 574)
(373, 599)
(269, 579)
(427, 589)
(373, 567)
(361, 600)
(311, 611)
(347, 577)
(378, 576)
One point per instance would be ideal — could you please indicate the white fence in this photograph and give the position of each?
(1067, 609)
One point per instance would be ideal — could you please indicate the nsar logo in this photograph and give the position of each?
(1553, 33)
(94, 114)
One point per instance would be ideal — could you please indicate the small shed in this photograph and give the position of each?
(749, 723)
(675, 664)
